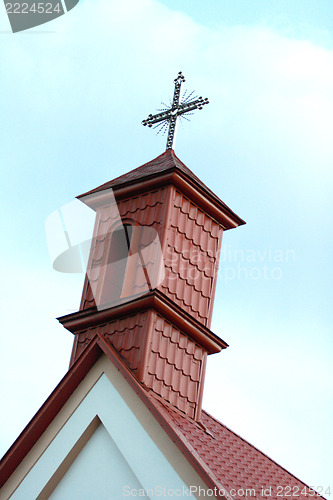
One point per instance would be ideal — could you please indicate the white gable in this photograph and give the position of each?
(99, 468)
(103, 444)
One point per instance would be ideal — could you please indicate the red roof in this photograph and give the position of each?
(223, 459)
(165, 161)
(232, 462)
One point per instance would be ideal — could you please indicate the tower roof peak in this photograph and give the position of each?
(167, 168)
(161, 163)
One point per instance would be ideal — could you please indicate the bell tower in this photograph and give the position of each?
(161, 332)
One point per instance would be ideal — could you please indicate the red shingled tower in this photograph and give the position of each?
(163, 335)
(138, 362)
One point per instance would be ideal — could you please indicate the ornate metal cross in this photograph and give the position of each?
(177, 110)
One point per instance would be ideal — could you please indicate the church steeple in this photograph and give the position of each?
(163, 332)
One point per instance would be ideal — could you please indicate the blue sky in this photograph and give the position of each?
(74, 93)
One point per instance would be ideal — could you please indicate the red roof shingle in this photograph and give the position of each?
(161, 163)
(232, 463)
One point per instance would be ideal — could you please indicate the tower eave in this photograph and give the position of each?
(156, 300)
(176, 174)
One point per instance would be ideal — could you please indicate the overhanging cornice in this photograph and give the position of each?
(155, 300)
(174, 175)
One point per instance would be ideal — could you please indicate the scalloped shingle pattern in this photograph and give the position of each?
(125, 335)
(174, 362)
(146, 210)
(174, 366)
(191, 258)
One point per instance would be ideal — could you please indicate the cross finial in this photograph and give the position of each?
(177, 109)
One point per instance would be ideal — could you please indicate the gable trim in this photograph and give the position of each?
(43, 418)
(38, 424)
(69, 459)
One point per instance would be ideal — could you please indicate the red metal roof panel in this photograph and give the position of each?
(174, 366)
(230, 461)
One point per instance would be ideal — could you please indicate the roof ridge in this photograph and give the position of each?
(144, 164)
(123, 177)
